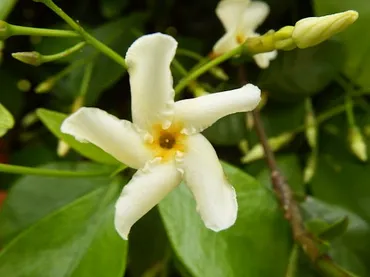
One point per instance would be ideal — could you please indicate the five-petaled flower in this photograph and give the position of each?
(240, 19)
(164, 140)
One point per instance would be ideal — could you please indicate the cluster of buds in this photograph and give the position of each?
(305, 33)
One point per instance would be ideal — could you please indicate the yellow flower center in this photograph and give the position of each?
(240, 38)
(166, 142)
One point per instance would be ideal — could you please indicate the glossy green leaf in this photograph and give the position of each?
(351, 248)
(300, 73)
(33, 197)
(6, 6)
(10, 96)
(53, 120)
(112, 8)
(257, 245)
(229, 130)
(67, 229)
(355, 39)
(6, 120)
(157, 251)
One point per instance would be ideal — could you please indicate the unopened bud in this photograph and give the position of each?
(276, 143)
(310, 168)
(244, 146)
(311, 126)
(357, 144)
(33, 58)
(283, 39)
(219, 73)
(197, 89)
(24, 85)
(311, 31)
(62, 149)
(5, 31)
(45, 86)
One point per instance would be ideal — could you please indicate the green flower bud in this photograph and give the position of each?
(357, 144)
(311, 31)
(45, 86)
(310, 169)
(32, 58)
(276, 143)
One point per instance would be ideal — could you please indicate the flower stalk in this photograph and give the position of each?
(85, 35)
(8, 30)
(36, 59)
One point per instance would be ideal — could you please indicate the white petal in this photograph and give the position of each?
(263, 59)
(145, 190)
(225, 44)
(215, 197)
(114, 136)
(199, 113)
(230, 12)
(253, 16)
(148, 60)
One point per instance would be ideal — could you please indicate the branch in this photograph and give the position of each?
(291, 209)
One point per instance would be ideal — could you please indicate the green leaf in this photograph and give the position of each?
(355, 39)
(6, 120)
(53, 120)
(141, 241)
(351, 248)
(6, 6)
(300, 73)
(67, 229)
(11, 97)
(33, 197)
(112, 8)
(257, 245)
(229, 130)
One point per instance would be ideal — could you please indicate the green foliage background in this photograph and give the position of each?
(55, 226)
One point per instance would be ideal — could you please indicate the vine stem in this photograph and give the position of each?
(88, 38)
(17, 169)
(289, 205)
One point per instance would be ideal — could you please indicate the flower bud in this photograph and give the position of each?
(32, 58)
(276, 143)
(311, 126)
(219, 73)
(283, 39)
(62, 148)
(45, 86)
(310, 169)
(357, 144)
(311, 31)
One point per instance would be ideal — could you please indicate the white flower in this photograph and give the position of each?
(240, 19)
(164, 140)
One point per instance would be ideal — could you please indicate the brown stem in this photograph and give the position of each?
(290, 206)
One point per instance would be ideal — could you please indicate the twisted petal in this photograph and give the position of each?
(215, 197)
(230, 12)
(114, 136)
(253, 16)
(145, 190)
(225, 44)
(148, 60)
(263, 59)
(199, 113)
